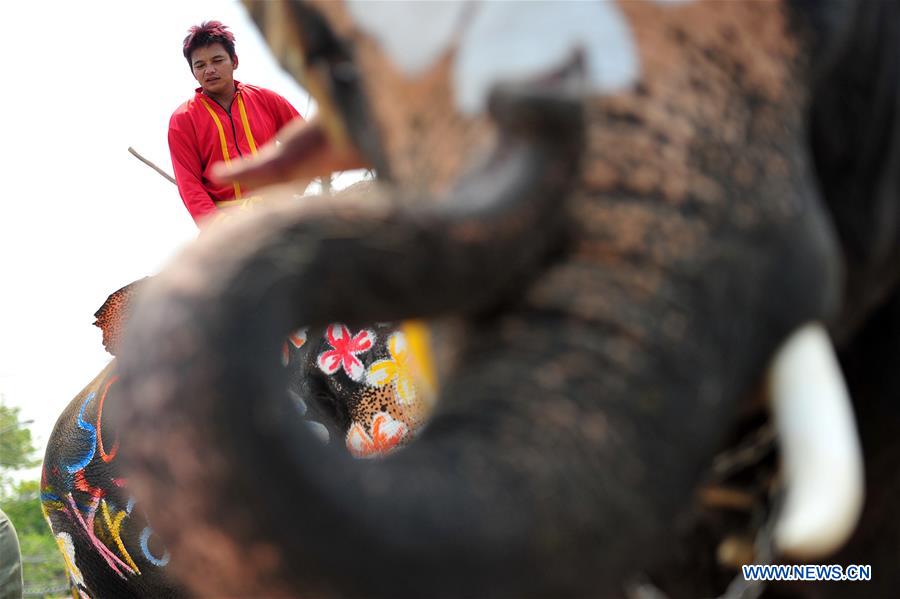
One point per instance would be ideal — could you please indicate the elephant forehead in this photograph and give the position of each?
(689, 59)
(716, 108)
(711, 139)
(427, 69)
(751, 41)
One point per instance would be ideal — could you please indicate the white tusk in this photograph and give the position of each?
(821, 459)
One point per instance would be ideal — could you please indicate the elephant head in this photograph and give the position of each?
(614, 231)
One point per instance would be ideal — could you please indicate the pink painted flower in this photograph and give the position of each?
(345, 348)
(383, 436)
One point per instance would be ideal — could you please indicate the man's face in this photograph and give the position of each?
(213, 68)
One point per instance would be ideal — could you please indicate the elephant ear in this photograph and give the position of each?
(855, 137)
(112, 314)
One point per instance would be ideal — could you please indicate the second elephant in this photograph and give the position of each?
(368, 388)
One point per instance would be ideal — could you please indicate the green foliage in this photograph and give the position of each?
(42, 564)
(16, 448)
(23, 507)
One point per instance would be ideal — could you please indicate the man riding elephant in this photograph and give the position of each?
(225, 119)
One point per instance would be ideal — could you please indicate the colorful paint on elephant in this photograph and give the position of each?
(87, 505)
(379, 378)
(383, 375)
(383, 436)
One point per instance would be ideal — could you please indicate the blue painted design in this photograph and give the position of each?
(50, 497)
(130, 506)
(92, 436)
(145, 548)
(84, 509)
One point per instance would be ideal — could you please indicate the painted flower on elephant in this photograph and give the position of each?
(345, 348)
(297, 339)
(395, 370)
(383, 436)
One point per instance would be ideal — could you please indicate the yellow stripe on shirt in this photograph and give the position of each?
(224, 142)
(246, 125)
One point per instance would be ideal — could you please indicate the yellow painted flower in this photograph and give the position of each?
(395, 370)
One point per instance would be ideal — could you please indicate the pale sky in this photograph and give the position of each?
(81, 217)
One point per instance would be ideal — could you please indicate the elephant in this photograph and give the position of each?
(619, 264)
(367, 387)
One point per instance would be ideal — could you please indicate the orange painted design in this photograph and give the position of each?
(386, 435)
(298, 338)
(106, 457)
(83, 485)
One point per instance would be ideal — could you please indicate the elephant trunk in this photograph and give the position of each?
(246, 499)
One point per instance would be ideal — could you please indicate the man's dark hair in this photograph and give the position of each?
(206, 34)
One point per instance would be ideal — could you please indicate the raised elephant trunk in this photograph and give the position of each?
(203, 358)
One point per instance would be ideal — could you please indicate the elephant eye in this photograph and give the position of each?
(332, 77)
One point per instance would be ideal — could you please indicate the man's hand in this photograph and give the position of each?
(304, 153)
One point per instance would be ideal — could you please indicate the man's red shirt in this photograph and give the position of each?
(198, 140)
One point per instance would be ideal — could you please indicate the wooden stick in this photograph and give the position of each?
(151, 165)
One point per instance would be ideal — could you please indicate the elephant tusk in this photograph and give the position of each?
(821, 457)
